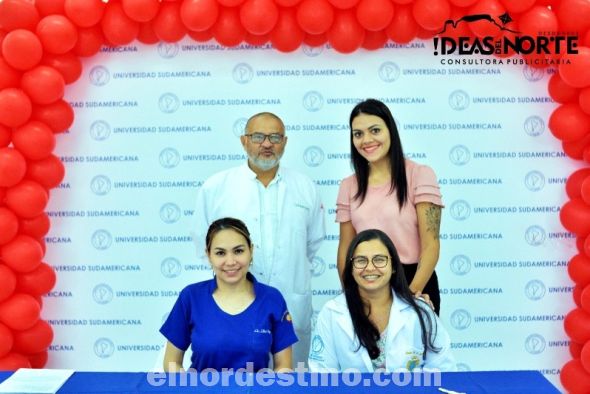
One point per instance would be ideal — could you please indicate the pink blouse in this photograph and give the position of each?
(380, 209)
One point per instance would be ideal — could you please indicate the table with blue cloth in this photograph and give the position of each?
(497, 382)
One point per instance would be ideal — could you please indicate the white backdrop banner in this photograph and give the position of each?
(153, 122)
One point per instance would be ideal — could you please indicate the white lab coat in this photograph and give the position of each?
(334, 343)
(234, 193)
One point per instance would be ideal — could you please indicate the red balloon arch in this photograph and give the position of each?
(41, 45)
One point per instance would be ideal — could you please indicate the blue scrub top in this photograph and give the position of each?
(220, 340)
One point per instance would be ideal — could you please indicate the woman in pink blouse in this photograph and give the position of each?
(392, 194)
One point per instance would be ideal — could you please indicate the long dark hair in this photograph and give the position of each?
(364, 329)
(227, 224)
(397, 164)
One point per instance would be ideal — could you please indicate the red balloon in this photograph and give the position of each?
(117, 27)
(424, 34)
(586, 39)
(68, 65)
(403, 28)
(485, 28)
(574, 378)
(343, 4)
(573, 186)
(579, 270)
(8, 226)
(18, 14)
(585, 190)
(575, 73)
(22, 49)
(346, 34)
(431, 14)
(575, 149)
(167, 25)
(574, 15)
(59, 116)
(586, 153)
(27, 199)
(49, 7)
(48, 172)
(257, 40)
(57, 34)
(89, 41)
(259, 16)
(9, 77)
(38, 360)
(84, 13)
(584, 100)
(587, 246)
(460, 3)
(517, 6)
(22, 254)
(13, 167)
(580, 244)
(575, 217)
(577, 294)
(539, 20)
(5, 136)
(19, 312)
(287, 3)
(577, 325)
(34, 140)
(287, 36)
(374, 40)
(14, 361)
(7, 282)
(36, 227)
(569, 123)
(575, 349)
(43, 85)
(141, 10)
(228, 30)
(201, 36)
(146, 33)
(315, 40)
(315, 16)
(15, 107)
(6, 340)
(35, 339)
(374, 15)
(199, 15)
(561, 91)
(585, 298)
(37, 282)
(230, 3)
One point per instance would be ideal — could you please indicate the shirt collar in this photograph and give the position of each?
(248, 173)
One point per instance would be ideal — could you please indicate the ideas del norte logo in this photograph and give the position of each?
(507, 41)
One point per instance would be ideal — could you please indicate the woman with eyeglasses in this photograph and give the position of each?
(377, 323)
(391, 193)
(231, 321)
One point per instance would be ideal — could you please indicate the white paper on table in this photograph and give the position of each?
(27, 380)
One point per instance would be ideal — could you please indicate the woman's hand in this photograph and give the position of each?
(424, 297)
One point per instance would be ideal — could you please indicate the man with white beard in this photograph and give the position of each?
(282, 210)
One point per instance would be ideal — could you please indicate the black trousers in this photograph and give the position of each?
(431, 287)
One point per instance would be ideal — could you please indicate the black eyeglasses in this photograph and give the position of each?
(361, 262)
(258, 138)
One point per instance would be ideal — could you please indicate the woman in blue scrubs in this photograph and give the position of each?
(231, 321)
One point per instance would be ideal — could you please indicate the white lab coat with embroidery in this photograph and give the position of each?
(334, 343)
(234, 193)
